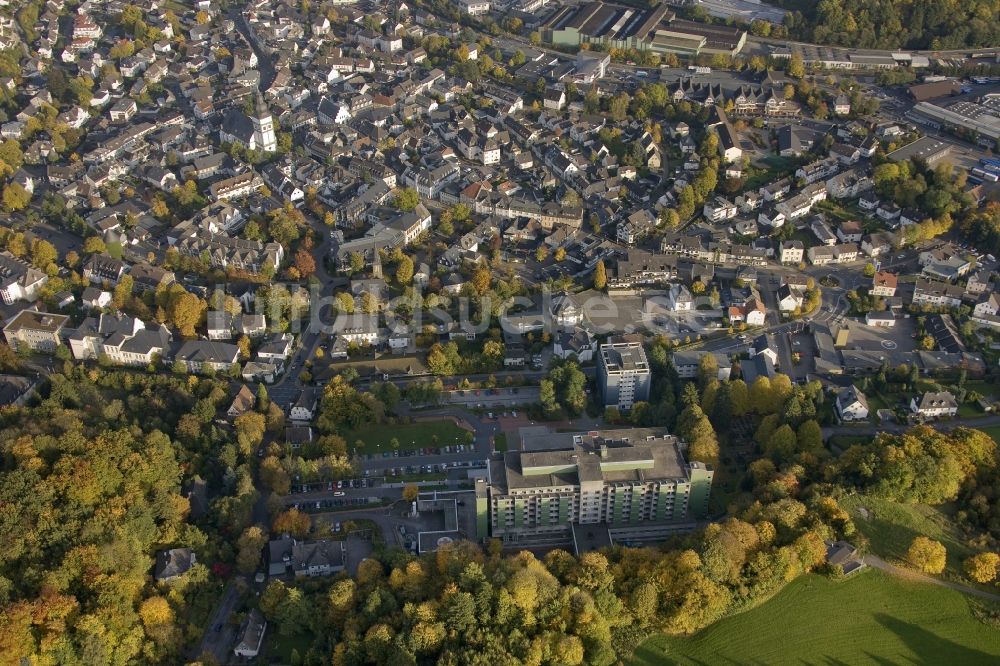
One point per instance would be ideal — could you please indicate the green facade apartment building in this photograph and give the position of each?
(619, 478)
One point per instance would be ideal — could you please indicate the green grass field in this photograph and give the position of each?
(840, 443)
(892, 526)
(279, 648)
(992, 431)
(968, 410)
(871, 618)
(500, 442)
(378, 438)
(983, 388)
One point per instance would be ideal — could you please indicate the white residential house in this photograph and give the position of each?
(555, 98)
(884, 284)
(719, 209)
(199, 355)
(474, 7)
(95, 299)
(868, 202)
(765, 344)
(577, 342)
(219, 325)
(687, 363)
(304, 408)
(934, 404)
(251, 635)
(278, 348)
(791, 251)
(754, 312)
(19, 281)
(772, 218)
(788, 298)
(852, 405)
(989, 306)
(937, 294)
(842, 105)
(680, 298)
(880, 319)
(877, 244)
(850, 231)
(358, 328)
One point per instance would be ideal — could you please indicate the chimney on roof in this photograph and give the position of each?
(604, 451)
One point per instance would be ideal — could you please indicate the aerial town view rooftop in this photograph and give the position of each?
(488, 333)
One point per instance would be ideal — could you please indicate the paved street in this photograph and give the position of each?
(943, 425)
(220, 633)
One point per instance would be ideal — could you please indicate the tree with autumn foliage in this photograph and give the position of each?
(600, 276)
(304, 263)
(481, 279)
(292, 522)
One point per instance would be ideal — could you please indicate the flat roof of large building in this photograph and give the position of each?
(567, 459)
(624, 357)
(982, 118)
(37, 321)
(925, 91)
(713, 34)
(924, 148)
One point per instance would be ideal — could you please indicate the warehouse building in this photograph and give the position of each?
(930, 151)
(980, 120)
(656, 29)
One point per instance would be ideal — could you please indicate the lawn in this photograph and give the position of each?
(983, 387)
(838, 212)
(840, 443)
(870, 618)
(280, 647)
(377, 438)
(992, 431)
(500, 442)
(968, 410)
(774, 167)
(891, 526)
(875, 403)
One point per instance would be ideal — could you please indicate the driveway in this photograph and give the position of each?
(909, 574)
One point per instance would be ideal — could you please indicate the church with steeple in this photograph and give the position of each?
(254, 132)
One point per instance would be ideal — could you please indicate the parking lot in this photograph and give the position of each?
(894, 340)
(486, 398)
(742, 10)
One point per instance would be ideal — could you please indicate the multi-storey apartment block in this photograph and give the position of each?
(617, 478)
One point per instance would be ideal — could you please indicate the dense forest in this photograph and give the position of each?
(891, 24)
(463, 606)
(91, 483)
